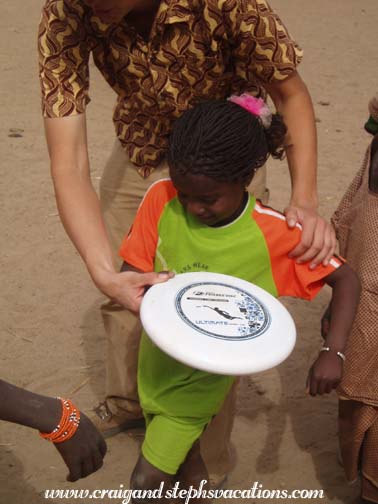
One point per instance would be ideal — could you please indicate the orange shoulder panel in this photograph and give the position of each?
(139, 246)
(291, 279)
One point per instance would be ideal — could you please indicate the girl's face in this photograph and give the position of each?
(213, 203)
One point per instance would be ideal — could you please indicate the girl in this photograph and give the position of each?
(356, 221)
(203, 219)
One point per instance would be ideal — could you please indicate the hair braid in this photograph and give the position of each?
(223, 141)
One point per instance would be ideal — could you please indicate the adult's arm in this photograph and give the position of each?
(83, 453)
(264, 49)
(292, 100)
(79, 209)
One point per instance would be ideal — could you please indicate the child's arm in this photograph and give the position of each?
(325, 374)
(83, 453)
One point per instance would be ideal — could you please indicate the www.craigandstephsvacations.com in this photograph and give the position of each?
(125, 495)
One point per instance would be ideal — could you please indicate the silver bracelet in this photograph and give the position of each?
(328, 349)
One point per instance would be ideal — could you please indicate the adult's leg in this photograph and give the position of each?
(121, 192)
(216, 448)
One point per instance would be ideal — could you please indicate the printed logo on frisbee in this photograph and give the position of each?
(222, 311)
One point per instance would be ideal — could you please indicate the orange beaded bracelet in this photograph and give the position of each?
(67, 425)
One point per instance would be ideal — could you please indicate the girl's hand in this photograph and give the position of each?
(325, 374)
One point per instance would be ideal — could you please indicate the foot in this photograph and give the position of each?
(110, 424)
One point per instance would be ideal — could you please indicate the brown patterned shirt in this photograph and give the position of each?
(198, 49)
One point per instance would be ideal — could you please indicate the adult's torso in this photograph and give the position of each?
(196, 50)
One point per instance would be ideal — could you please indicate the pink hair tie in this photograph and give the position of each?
(255, 106)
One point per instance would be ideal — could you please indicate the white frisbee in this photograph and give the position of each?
(218, 323)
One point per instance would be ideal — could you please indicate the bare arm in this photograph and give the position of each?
(346, 291)
(293, 101)
(79, 209)
(83, 453)
(76, 198)
(326, 372)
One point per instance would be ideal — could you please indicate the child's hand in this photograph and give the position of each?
(325, 374)
(84, 452)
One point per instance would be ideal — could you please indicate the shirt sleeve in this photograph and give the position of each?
(263, 49)
(64, 48)
(139, 246)
(291, 279)
(297, 280)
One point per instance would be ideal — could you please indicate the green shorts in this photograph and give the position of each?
(178, 402)
(168, 440)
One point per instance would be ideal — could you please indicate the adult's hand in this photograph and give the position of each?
(128, 288)
(318, 242)
(83, 454)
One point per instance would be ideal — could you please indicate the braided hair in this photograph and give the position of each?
(223, 141)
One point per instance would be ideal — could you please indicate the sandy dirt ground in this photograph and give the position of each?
(52, 340)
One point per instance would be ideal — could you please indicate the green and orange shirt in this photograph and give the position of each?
(253, 247)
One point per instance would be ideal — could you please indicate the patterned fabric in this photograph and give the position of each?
(198, 49)
(356, 223)
(358, 433)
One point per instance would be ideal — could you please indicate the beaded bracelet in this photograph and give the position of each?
(67, 425)
(328, 349)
